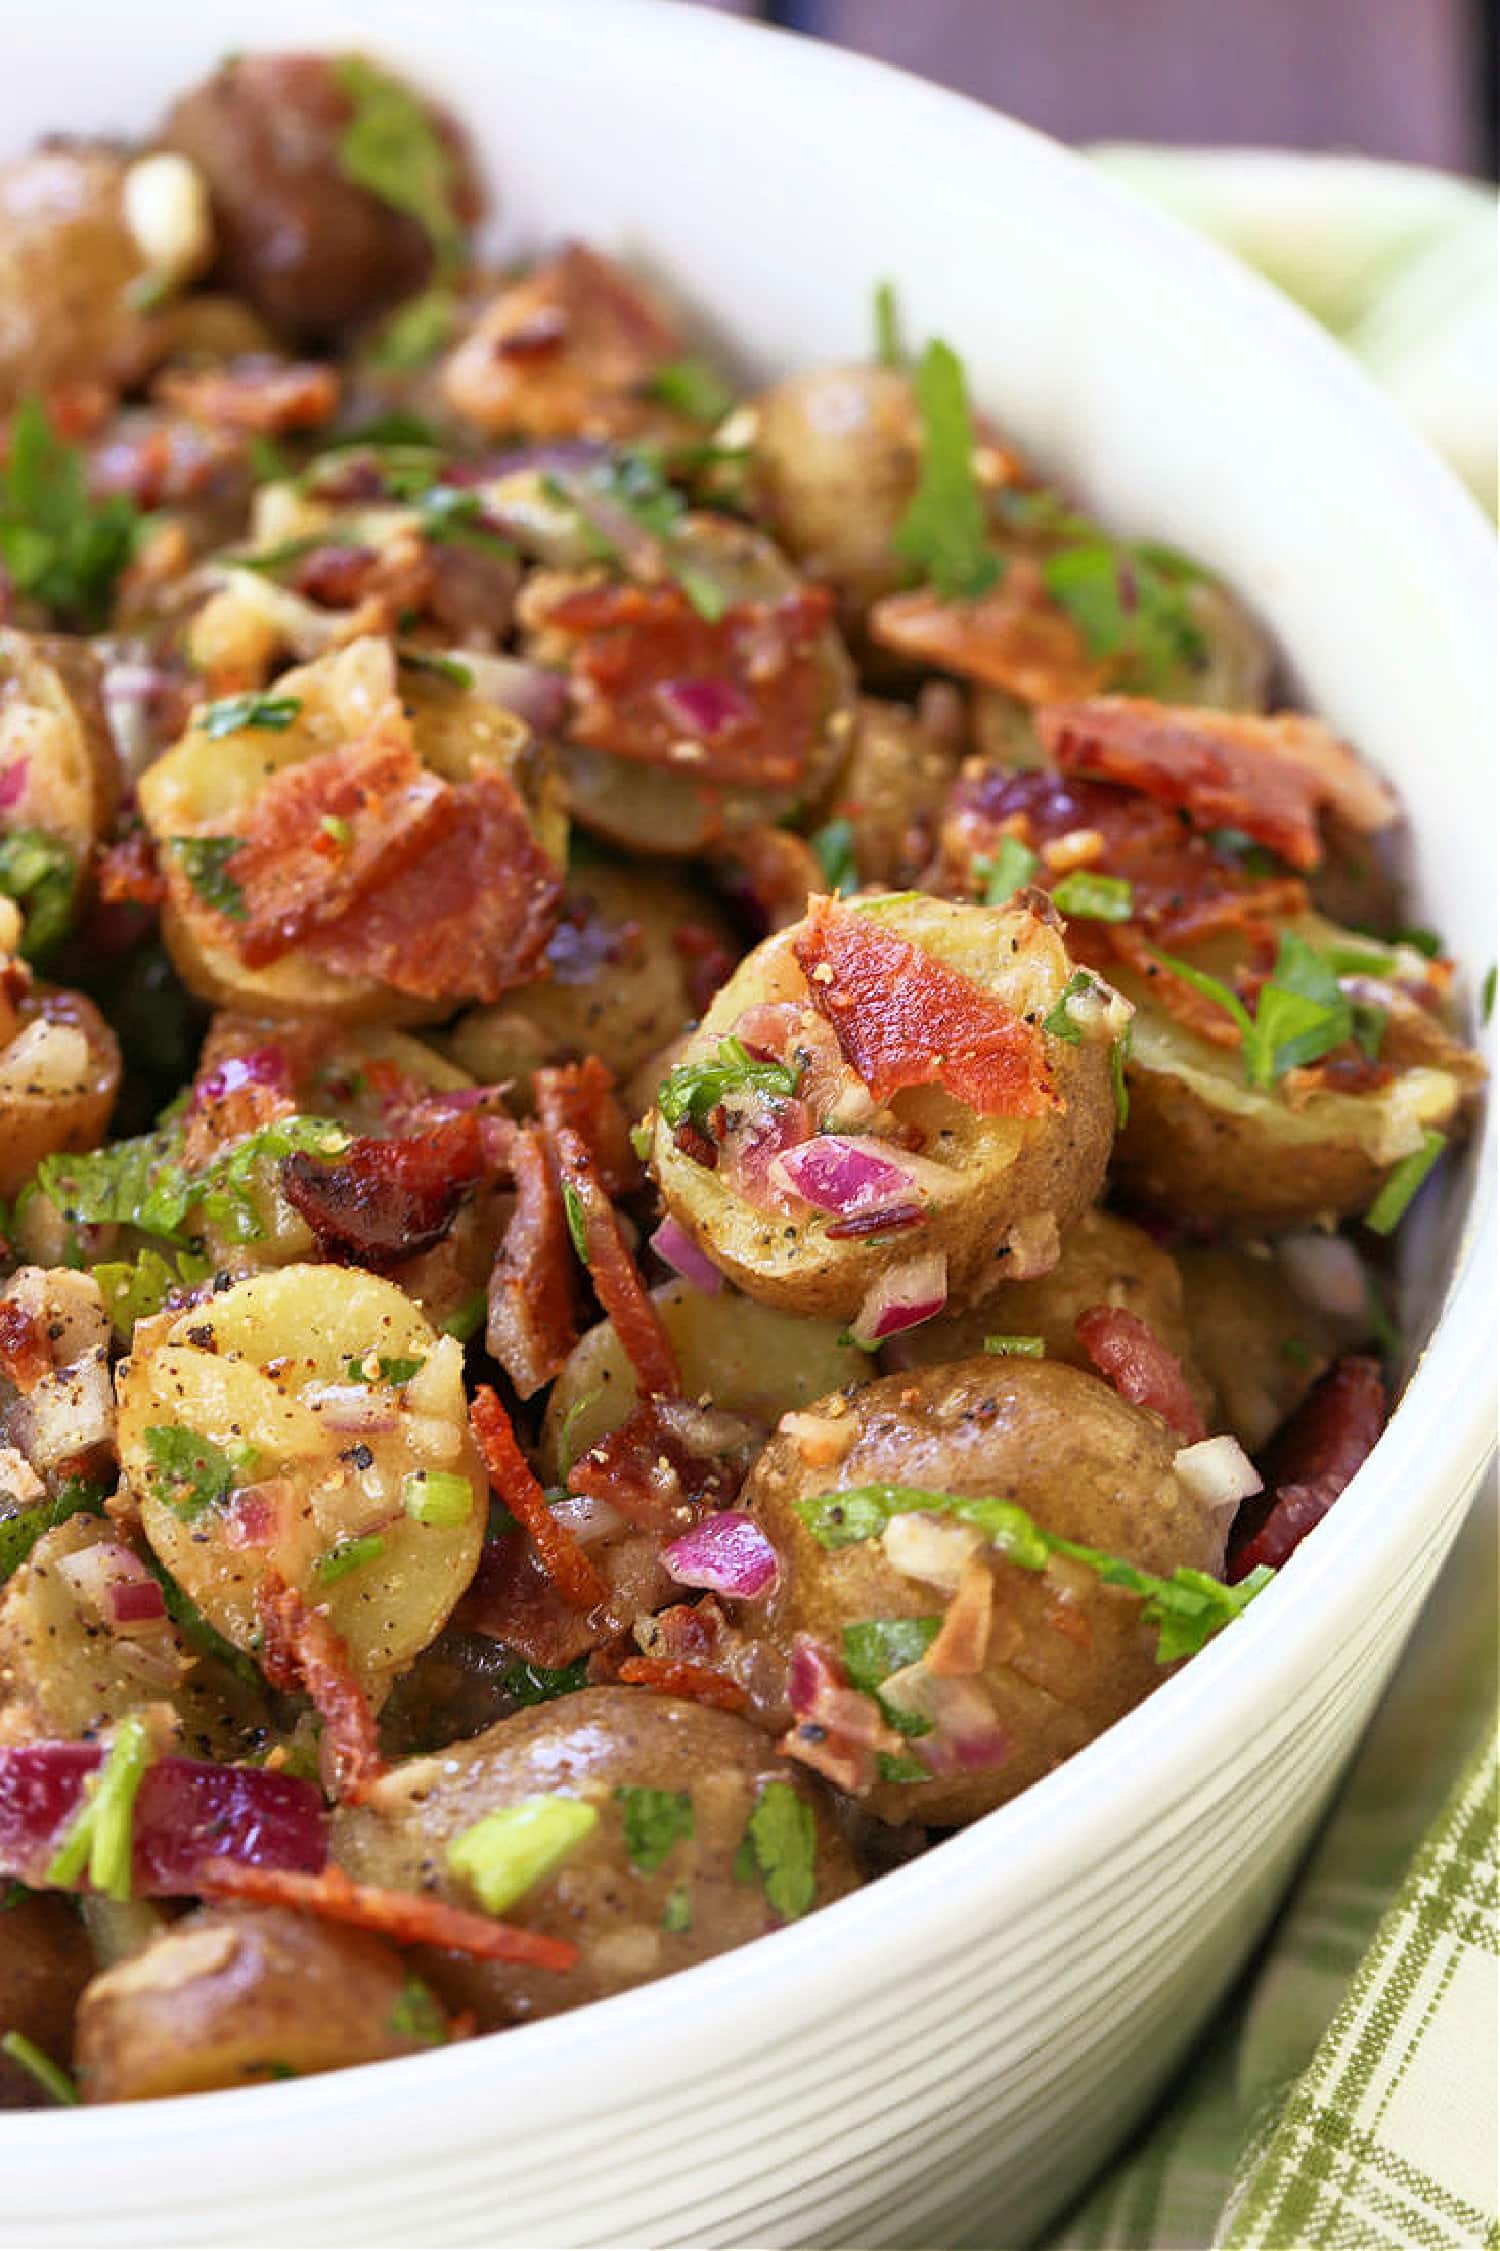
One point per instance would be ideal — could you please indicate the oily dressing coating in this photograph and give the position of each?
(1063, 1656)
(592, 1746)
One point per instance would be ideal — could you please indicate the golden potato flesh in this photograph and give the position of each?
(662, 1879)
(1063, 1655)
(58, 767)
(45, 1963)
(311, 1421)
(996, 1191)
(233, 1996)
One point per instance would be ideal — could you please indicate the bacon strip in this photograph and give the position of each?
(127, 874)
(1132, 1358)
(673, 1678)
(300, 1652)
(1269, 777)
(531, 1327)
(1313, 1458)
(612, 1270)
(511, 1599)
(643, 1469)
(582, 1096)
(1015, 637)
(384, 1201)
(512, 1478)
(25, 1355)
(264, 395)
(903, 1018)
(408, 1918)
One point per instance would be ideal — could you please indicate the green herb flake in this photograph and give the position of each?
(416, 332)
(100, 1836)
(944, 531)
(440, 667)
(19, 1534)
(344, 1556)
(1383, 1328)
(782, 1834)
(453, 517)
(1058, 1021)
(570, 1422)
(189, 1474)
(440, 1497)
(1428, 943)
(833, 844)
(1487, 993)
(467, 1319)
(38, 872)
(691, 387)
(143, 1182)
(890, 350)
(268, 464)
(504, 1855)
(1401, 1184)
(267, 561)
(1296, 1351)
(273, 714)
(527, 1684)
(1007, 870)
(1017, 1348)
(204, 861)
(56, 545)
(1129, 603)
(395, 1372)
(418, 2016)
(391, 146)
(1301, 1014)
(874, 1648)
(900, 1766)
(677, 1913)
(48, 2075)
(654, 1822)
(1094, 898)
(694, 1090)
(134, 1289)
(578, 1232)
(335, 827)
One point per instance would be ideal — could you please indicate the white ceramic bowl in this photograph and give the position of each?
(944, 2056)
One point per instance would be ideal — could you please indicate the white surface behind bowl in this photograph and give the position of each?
(944, 2055)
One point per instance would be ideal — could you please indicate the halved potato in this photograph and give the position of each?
(1000, 1190)
(835, 454)
(1260, 1344)
(304, 1404)
(891, 790)
(58, 762)
(45, 1963)
(59, 1074)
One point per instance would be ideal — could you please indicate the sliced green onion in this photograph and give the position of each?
(505, 1854)
(100, 1834)
(437, 1496)
(43, 2070)
(348, 1555)
(1094, 898)
(1017, 1348)
(1401, 1184)
(1009, 868)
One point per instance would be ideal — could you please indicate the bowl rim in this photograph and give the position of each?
(1436, 1444)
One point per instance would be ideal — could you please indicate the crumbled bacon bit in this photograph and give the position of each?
(582, 1096)
(336, 575)
(963, 1638)
(671, 1677)
(903, 1018)
(264, 395)
(512, 1477)
(1132, 1358)
(511, 1599)
(127, 874)
(301, 1652)
(384, 1201)
(25, 1355)
(1015, 637)
(1312, 1459)
(646, 1472)
(406, 1917)
(531, 1327)
(613, 1272)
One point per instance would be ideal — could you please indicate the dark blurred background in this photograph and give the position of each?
(1413, 79)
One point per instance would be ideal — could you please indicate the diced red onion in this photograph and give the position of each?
(821, 1697)
(113, 1580)
(728, 1553)
(840, 1174)
(1326, 1271)
(588, 1518)
(351, 1406)
(188, 1813)
(531, 691)
(251, 1519)
(137, 1603)
(703, 708)
(675, 1247)
(560, 454)
(13, 782)
(263, 1066)
(966, 1736)
(1218, 1473)
(912, 1291)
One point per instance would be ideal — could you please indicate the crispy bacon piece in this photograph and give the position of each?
(582, 1096)
(408, 1918)
(612, 1270)
(1015, 637)
(1270, 777)
(25, 1355)
(127, 874)
(264, 395)
(531, 1327)
(1194, 1010)
(962, 1640)
(511, 1476)
(296, 875)
(383, 1201)
(466, 919)
(1132, 1358)
(511, 1599)
(905, 1019)
(300, 1652)
(643, 1469)
(673, 1678)
(1312, 1459)
(741, 699)
(336, 575)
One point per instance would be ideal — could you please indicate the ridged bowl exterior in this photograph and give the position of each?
(946, 2055)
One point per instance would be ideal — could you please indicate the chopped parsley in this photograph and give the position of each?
(1186, 1609)
(691, 387)
(1119, 1056)
(1401, 1184)
(694, 1090)
(143, 1182)
(416, 332)
(1296, 1351)
(189, 1474)
(337, 829)
(48, 2075)
(1058, 1021)
(654, 1821)
(391, 146)
(874, 1648)
(1017, 1348)
(467, 1319)
(1428, 943)
(578, 1231)
(1007, 870)
(204, 860)
(1094, 898)
(453, 517)
(57, 545)
(631, 483)
(1487, 993)
(37, 871)
(19, 1533)
(570, 1422)
(100, 1836)
(344, 1556)
(417, 2015)
(134, 1289)
(1301, 1013)
(944, 531)
(274, 714)
(900, 1766)
(1129, 603)
(780, 1845)
(394, 1372)
(834, 845)
(527, 1684)
(269, 560)
(677, 1914)
(890, 350)
(502, 1856)
(194, 1627)
(440, 1497)
(457, 674)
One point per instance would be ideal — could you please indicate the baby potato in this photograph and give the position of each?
(659, 1881)
(67, 262)
(1105, 1261)
(308, 1421)
(45, 1963)
(1063, 1655)
(835, 454)
(233, 1996)
(1260, 1344)
(203, 786)
(59, 1074)
(995, 1191)
(748, 1359)
(59, 771)
(891, 791)
(620, 981)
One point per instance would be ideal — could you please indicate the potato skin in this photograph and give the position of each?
(45, 1963)
(37, 1117)
(835, 456)
(233, 1996)
(52, 716)
(1087, 1466)
(1260, 1345)
(67, 260)
(891, 790)
(588, 1745)
(1007, 1171)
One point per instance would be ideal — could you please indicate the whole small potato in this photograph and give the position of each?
(59, 1074)
(1063, 1655)
(892, 789)
(835, 456)
(233, 1996)
(662, 1880)
(1260, 1344)
(67, 262)
(45, 1963)
(58, 763)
